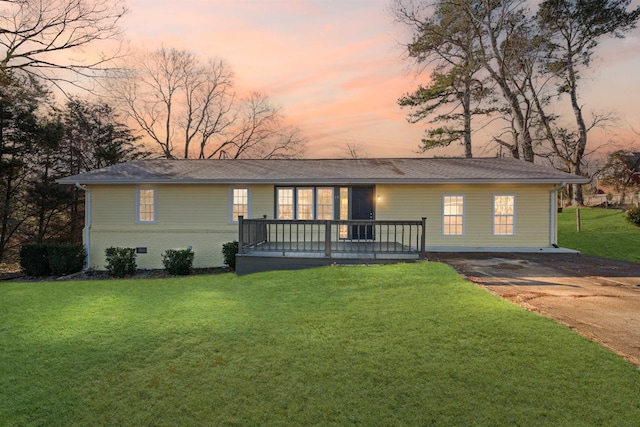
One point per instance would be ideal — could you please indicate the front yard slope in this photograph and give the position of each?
(389, 345)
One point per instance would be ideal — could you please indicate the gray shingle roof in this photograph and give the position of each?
(328, 171)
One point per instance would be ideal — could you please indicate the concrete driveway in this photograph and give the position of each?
(598, 297)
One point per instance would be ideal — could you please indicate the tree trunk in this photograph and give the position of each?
(466, 104)
(6, 207)
(582, 134)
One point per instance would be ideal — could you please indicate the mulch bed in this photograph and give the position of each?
(17, 276)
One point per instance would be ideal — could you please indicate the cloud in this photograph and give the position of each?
(335, 66)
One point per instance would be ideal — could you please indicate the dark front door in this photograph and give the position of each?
(362, 208)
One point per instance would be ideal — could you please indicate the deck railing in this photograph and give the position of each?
(329, 237)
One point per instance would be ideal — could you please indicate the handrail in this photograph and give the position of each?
(332, 236)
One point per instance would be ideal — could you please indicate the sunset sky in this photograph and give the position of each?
(336, 67)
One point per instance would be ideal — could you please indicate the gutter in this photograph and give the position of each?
(87, 223)
(326, 181)
(553, 197)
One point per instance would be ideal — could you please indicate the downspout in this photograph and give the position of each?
(553, 195)
(87, 222)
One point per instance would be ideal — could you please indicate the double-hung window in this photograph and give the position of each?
(453, 215)
(504, 214)
(146, 205)
(325, 203)
(239, 203)
(305, 203)
(284, 205)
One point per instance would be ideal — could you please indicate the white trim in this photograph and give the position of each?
(155, 205)
(493, 214)
(464, 219)
(86, 235)
(553, 219)
(313, 202)
(497, 250)
(293, 202)
(232, 204)
(317, 204)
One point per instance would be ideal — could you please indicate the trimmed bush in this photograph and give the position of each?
(120, 261)
(34, 259)
(66, 259)
(633, 215)
(178, 262)
(230, 250)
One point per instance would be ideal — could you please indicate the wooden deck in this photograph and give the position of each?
(293, 244)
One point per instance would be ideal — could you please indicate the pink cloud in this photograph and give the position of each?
(334, 66)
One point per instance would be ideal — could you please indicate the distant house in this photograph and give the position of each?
(328, 210)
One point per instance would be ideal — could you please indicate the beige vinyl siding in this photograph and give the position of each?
(187, 215)
(411, 202)
(199, 216)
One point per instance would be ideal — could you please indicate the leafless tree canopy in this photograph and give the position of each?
(189, 109)
(535, 61)
(44, 37)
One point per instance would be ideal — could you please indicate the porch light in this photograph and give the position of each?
(379, 197)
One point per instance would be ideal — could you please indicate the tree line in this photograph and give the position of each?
(161, 103)
(499, 58)
(40, 142)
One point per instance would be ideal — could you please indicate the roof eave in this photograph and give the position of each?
(341, 181)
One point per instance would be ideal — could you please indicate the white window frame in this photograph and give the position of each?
(139, 205)
(461, 215)
(331, 205)
(293, 202)
(495, 216)
(344, 197)
(312, 204)
(232, 204)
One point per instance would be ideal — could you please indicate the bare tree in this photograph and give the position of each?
(39, 37)
(257, 132)
(572, 30)
(354, 150)
(621, 171)
(189, 109)
(502, 31)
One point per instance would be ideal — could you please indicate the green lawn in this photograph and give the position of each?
(391, 345)
(603, 232)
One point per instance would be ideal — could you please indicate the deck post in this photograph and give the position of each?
(327, 238)
(240, 235)
(263, 230)
(423, 238)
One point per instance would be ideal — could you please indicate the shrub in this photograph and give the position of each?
(34, 259)
(633, 215)
(66, 259)
(178, 261)
(120, 261)
(229, 250)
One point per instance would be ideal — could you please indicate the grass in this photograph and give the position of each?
(603, 232)
(390, 345)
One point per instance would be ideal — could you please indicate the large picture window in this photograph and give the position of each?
(239, 203)
(504, 215)
(453, 215)
(146, 205)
